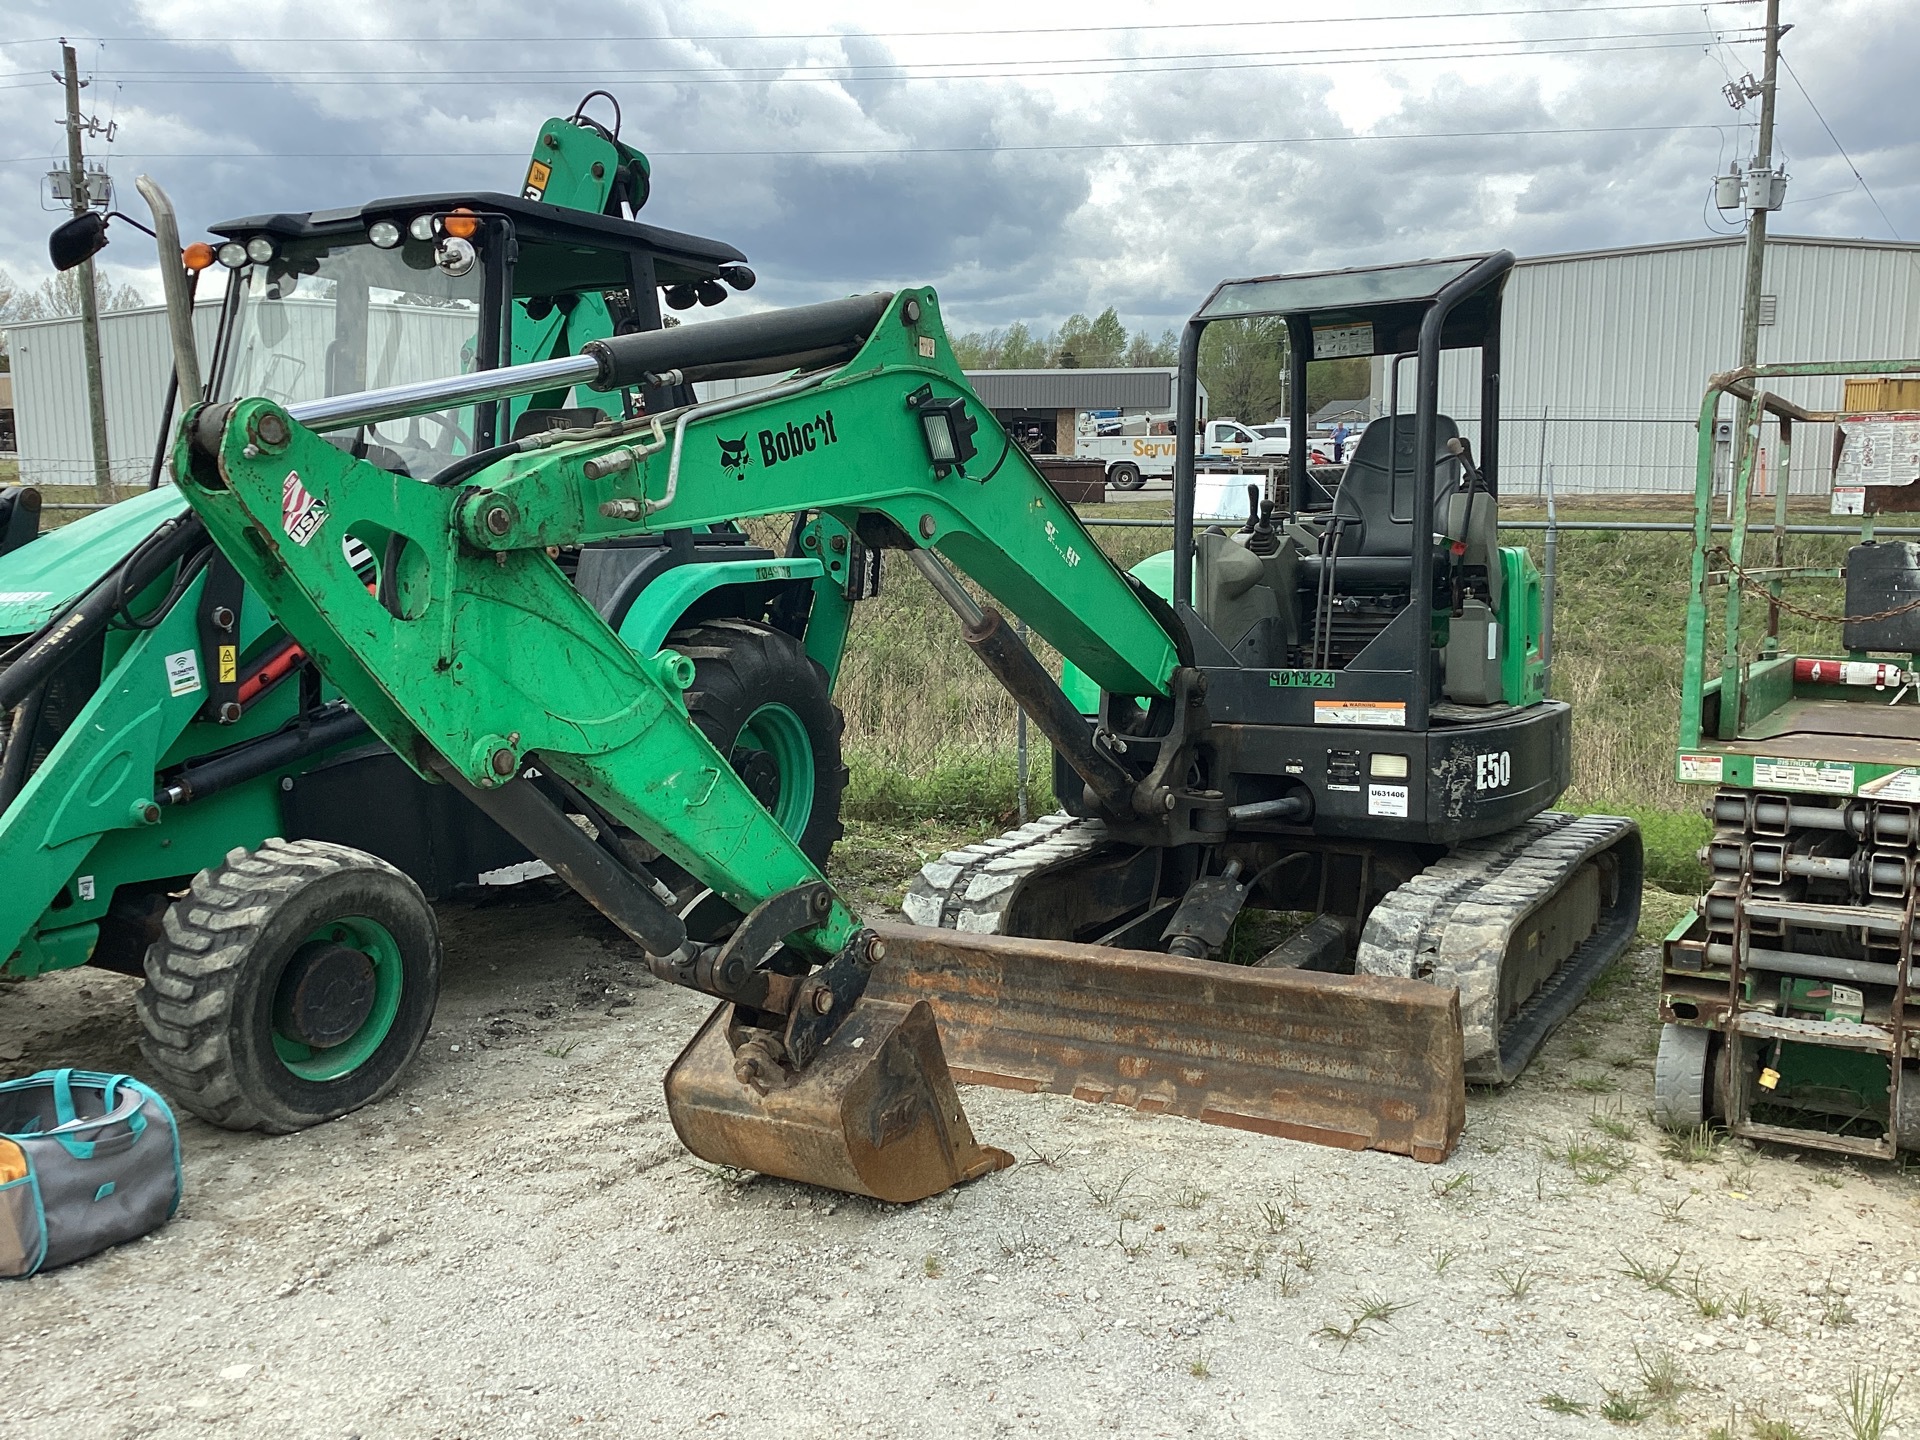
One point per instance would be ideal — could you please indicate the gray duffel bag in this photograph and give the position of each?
(87, 1160)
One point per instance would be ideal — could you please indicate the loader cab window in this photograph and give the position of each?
(333, 317)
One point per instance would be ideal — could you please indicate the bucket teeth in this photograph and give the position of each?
(876, 1112)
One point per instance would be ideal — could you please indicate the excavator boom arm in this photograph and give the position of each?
(474, 648)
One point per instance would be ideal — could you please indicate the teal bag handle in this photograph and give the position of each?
(128, 1113)
(63, 1109)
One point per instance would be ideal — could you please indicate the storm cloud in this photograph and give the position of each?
(1027, 175)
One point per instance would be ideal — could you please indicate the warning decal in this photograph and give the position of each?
(1709, 768)
(301, 515)
(1900, 785)
(1360, 712)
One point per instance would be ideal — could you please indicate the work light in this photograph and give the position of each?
(947, 429)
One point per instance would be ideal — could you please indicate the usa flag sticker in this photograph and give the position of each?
(301, 514)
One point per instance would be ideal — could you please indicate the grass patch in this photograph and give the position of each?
(1653, 1274)
(1692, 1144)
(1558, 1404)
(1620, 1408)
(1516, 1283)
(1867, 1409)
(983, 789)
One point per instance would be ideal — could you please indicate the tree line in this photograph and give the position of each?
(1243, 363)
(56, 296)
(1102, 343)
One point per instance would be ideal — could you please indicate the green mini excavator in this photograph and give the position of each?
(1335, 714)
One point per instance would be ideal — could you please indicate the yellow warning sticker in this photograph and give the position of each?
(1360, 712)
(229, 664)
(538, 173)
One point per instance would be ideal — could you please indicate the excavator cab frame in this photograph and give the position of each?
(1415, 311)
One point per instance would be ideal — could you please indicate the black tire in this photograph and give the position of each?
(222, 974)
(1126, 476)
(741, 667)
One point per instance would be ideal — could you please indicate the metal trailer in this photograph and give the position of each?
(1786, 997)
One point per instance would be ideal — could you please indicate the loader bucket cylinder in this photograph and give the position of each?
(875, 1114)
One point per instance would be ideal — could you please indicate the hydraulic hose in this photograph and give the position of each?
(63, 636)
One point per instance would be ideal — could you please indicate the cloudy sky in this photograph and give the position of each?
(1029, 157)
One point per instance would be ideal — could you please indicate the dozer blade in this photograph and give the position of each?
(1362, 1062)
(876, 1113)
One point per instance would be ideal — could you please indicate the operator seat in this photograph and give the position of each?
(1372, 521)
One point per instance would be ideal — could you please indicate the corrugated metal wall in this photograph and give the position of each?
(405, 342)
(50, 392)
(1616, 348)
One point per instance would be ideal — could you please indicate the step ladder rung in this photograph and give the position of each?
(1883, 919)
(1839, 1034)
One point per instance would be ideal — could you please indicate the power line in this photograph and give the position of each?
(1117, 65)
(1838, 146)
(550, 38)
(890, 66)
(914, 149)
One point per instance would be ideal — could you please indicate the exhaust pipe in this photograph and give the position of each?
(173, 284)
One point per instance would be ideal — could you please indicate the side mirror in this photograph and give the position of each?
(77, 240)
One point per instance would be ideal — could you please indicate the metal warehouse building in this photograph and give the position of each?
(1605, 354)
(50, 392)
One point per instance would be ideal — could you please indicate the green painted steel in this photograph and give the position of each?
(489, 655)
(79, 831)
(1746, 690)
(1523, 668)
(376, 942)
(39, 578)
(1156, 573)
(782, 735)
(659, 607)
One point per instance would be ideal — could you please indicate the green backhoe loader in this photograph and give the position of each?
(158, 726)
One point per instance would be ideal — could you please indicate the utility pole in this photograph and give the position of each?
(1762, 165)
(89, 307)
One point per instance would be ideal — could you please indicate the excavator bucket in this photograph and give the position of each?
(1361, 1062)
(876, 1113)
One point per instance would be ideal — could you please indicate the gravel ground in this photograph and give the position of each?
(515, 1244)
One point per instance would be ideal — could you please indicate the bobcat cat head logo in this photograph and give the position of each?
(733, 455)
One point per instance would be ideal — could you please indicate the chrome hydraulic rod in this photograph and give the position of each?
(396, 402)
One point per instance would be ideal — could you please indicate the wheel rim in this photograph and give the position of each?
(376, 943)
(776, 732)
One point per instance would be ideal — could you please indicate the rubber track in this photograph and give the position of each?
(207, 940)
(971, 888)
(1453, 922)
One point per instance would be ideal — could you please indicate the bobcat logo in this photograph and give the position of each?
(734, 458)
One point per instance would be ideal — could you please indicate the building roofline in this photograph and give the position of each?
(1718, 242)
(42, 321)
